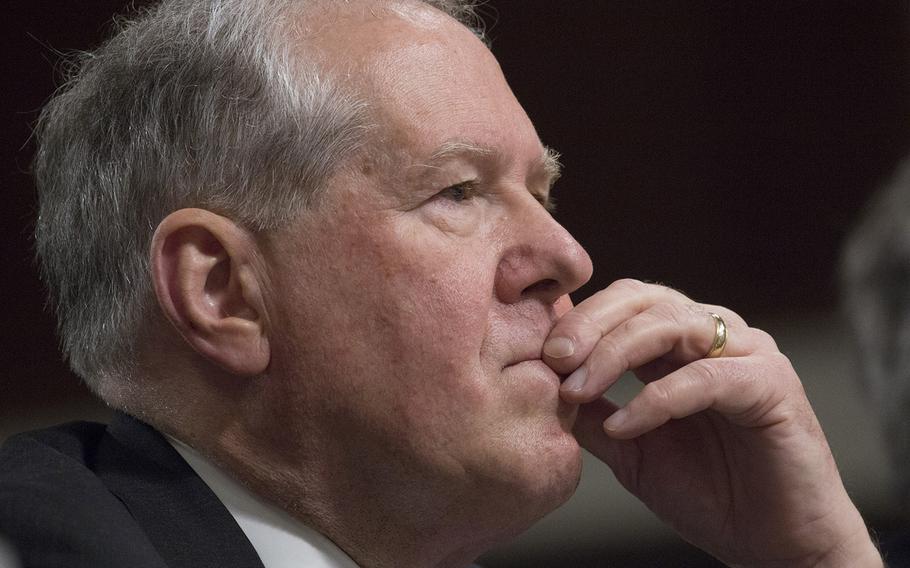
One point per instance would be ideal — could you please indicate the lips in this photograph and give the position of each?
(526, 351)
(538, 368)
(524, 341)
(524, 357)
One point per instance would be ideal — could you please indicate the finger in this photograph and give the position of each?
(576, 333)
(744, 389)
(675, 332)
(662, 338)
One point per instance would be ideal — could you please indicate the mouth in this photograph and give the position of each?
(538, 385)
(536, 367)
(528, 354)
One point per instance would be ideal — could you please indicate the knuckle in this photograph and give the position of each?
(610, 355)
(676, 294)
(627, 284)
(685, 315)
(736, 319)
(666, 311)
(707, 370)
(659, 395)
(763, 339)
(781, 363)
(575, 320)
(725, 372)
(642, 322)
(578, 326)
(682, 320)
(730, 317)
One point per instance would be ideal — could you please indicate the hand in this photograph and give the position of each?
(726, 450)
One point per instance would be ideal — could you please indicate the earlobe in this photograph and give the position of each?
(206, 281)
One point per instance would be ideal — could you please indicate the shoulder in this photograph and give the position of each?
(50, 465)
(69, 442)
(56, 510)
(56, 462)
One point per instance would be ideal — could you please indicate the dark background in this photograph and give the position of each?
(723, 148)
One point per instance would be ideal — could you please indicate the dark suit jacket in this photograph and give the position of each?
(896, 549)
(88, 495)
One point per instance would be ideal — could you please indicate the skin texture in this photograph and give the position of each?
(376, 367)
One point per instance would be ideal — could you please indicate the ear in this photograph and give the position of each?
(208, 283)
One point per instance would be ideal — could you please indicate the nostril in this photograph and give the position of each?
(545, 286)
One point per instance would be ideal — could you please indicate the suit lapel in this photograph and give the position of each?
(185, 521)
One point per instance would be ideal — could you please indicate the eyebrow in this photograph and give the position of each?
(453, 148)
(549, 158)
(551, 164)
(547, 167)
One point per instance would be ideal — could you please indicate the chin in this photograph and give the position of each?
(560, 458)
(517, 478)
(542, 477)
(536, 488)
(561, 469)
(546, 464)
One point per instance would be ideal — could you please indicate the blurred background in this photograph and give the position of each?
(722, 148)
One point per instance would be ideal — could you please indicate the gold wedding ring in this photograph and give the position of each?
(720, 337)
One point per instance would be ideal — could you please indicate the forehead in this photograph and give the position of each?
(427, 80)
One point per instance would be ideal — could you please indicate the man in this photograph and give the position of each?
(874, 274)
(304, 247)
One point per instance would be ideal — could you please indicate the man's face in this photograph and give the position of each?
(411, 305)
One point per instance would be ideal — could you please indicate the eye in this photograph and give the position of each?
(460, 192)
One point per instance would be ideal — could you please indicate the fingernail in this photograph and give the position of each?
(559, 347)
(616, 420)
(576, 380)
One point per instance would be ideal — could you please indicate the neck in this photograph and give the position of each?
(355, 490)
(379, 523)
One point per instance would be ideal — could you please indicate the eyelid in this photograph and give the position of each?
(467, 184)
(471, 190)
(469, 187)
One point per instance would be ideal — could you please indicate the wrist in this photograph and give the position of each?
(858, 551)
(855, 548)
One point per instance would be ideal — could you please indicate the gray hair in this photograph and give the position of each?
(193, 103)
(875, 274)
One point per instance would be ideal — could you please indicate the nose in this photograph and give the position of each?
(541, 261)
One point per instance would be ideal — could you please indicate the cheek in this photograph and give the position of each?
(390, 316)
(435, 315)
(393, 298)
(443, 275)
(436, 308)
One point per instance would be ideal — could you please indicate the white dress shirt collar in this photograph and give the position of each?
(280, 540)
